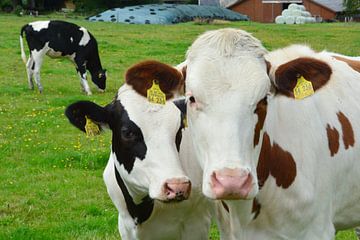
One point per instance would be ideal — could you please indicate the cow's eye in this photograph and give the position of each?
(192, 99)
(127, 134)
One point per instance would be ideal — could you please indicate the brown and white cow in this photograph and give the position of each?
(151, 161)
(292, 165)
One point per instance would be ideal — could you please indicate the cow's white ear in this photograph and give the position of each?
(87, 116)
(182, 68)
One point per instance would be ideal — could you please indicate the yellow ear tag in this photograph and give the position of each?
(303, 88)
(155, 95)
(185, 123)
(91, 128)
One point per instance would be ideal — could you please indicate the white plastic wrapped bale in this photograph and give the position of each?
(280, 20)
(296, 13)
(286, 13)
(305, 14)
(302, 7)
(310, 20)
(289, 20)
(300, 20)
(294, 6)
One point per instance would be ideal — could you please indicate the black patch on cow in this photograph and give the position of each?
(127, 144)
(64, 37)
(76, 113)
(178, 138)
(181, 105)
(139, 212)
(127, 140)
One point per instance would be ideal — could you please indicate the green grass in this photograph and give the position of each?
(50, 173)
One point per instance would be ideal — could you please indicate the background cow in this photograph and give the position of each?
(294, 161)
(62, 39)
(144, 174)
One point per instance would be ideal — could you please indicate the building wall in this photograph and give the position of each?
(318, 10)
(266, 13)
(257, 11)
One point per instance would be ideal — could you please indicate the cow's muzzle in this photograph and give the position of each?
(231, 183)
(176, 189)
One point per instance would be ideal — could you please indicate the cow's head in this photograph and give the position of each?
(145, 135)
(228, 86)
(99, 78)
(226, 83)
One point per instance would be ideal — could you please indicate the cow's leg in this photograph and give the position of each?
(38, 57)
(30, 71)
(80, 67)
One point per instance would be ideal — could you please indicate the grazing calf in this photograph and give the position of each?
(151, 159)
(62, 39)
(277, 135)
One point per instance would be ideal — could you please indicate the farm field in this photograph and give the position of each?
(50, 172)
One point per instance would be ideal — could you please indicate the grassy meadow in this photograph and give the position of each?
(51, 173)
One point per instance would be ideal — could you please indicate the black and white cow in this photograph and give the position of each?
(62, 39)
(151, 161)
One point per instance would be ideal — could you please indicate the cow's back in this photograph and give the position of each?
(63, 37)
(319, 135)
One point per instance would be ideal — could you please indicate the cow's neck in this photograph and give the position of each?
(139, 212)
(93, 64)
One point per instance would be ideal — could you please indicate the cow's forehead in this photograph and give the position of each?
(148, 116)
(244, 78)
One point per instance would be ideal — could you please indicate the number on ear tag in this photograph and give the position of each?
(303, 88)
(155, 95)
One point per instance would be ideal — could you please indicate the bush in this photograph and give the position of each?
(6, 5)
(19, 11)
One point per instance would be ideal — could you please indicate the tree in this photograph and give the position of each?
(351, 6)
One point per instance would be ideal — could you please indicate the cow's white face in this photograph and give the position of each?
(146, 136)
(148, 132)
(224, 83)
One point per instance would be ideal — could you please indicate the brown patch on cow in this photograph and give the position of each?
(313, 70)
(352, 63)
(348, 133)
(225, 206)
(333, 139)
(256, 208)
(141, 77)
(277, 162)
(260, 110)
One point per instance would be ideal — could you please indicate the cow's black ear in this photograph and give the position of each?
(79, 113)
(181, 105)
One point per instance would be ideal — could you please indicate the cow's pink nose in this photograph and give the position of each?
(231, 183)
(177, 189)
